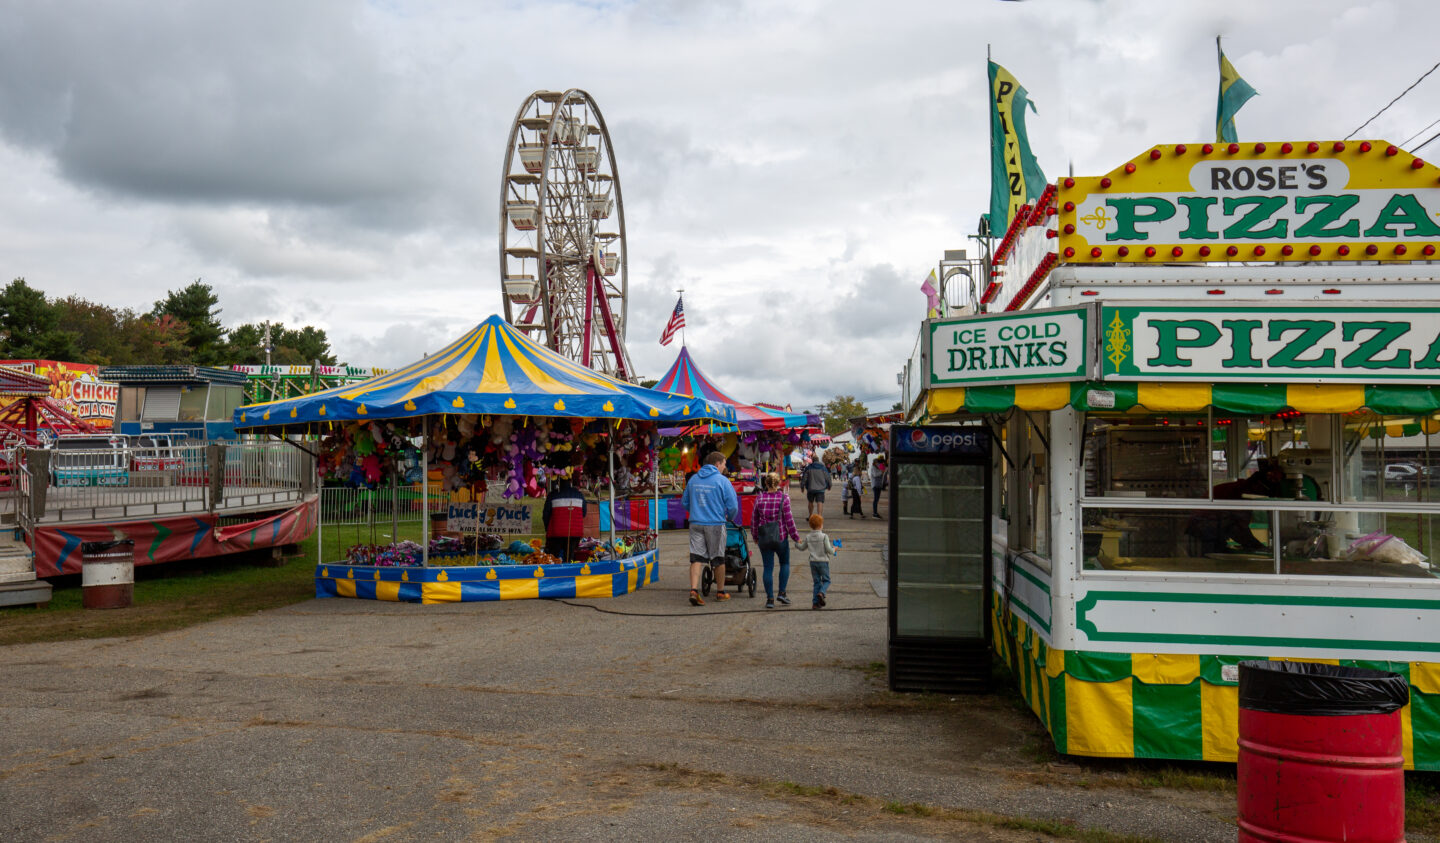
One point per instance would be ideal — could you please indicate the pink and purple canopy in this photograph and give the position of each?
(685, 378)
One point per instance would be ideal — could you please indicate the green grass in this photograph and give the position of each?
(910, 809)
(170, 596)
(1422, 802)
(864, 810)
(830, 793)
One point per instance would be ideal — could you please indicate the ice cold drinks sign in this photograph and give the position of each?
(1036, 345)
(1309, 344)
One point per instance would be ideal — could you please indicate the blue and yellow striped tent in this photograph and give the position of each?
(492, 369)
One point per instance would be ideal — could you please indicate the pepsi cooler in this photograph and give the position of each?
(939, 565)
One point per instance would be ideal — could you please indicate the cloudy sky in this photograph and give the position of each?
(797, 167)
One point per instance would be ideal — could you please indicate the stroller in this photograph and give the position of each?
(738, 570)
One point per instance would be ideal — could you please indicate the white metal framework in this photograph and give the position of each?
(562, 232)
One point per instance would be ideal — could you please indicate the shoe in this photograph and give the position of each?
(695, 599)
(769, 604)
(814, 605)
(783, 599)
(821, 599)
(722, 595)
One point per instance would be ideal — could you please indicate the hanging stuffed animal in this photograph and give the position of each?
(501, 429)
(372, 469)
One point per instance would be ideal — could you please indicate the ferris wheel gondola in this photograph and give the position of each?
(562, 232)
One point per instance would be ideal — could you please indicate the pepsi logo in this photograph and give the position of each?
(917, 436)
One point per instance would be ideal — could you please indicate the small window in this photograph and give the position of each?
(1391, 458)
(1030, 517)
(132, 399)
(1147, 455)
(192, 402)
(231, 399)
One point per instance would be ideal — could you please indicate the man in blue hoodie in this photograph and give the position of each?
(711, 501)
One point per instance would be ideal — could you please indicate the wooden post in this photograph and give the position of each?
(215, 454)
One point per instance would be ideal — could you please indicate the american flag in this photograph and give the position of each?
(677, 321)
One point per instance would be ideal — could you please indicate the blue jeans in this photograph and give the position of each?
(820, 573)
(769, 558)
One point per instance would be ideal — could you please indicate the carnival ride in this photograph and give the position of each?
(276, 383)
(29, 417)
(564, 280)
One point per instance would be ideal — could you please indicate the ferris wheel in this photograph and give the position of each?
(562, 232)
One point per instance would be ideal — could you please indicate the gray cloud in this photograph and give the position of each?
(798, 169)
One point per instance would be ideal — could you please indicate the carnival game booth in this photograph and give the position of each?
(499, 414)
(1194, 461)
(760, 435)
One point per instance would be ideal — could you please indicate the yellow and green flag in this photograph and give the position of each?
(1234, 92)
(1015, 176)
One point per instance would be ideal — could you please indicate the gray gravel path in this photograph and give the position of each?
(534, 720)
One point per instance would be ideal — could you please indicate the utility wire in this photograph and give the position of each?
(1392, 102)
(1422, 146)
(1405, 144)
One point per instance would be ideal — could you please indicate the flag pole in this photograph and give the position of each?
(681, 293)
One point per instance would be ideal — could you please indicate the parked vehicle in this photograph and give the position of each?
(1397, 474)
(157, 452)
(90, 461)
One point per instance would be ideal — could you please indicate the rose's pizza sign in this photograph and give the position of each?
(1272, 202)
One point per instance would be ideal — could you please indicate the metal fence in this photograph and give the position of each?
(351, 516)
(265, 473)
(61, 485)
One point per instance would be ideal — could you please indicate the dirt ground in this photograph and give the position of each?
(626, 718)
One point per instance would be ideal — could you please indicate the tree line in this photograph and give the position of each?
(182, 328)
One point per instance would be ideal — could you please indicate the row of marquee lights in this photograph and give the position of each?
(1044, 208)
(1026, 217)
(1314, 251)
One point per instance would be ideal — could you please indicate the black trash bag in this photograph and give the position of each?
(97, 548)
(1320, 690)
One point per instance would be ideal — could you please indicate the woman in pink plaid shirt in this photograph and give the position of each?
(772, 506)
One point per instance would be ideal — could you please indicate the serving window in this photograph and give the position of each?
(1027, 441)
(1284, 493)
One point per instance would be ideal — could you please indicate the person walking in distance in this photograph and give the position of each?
(879, 480)
(815, 480)
(856, 484)
(774, 530)
(711, 501)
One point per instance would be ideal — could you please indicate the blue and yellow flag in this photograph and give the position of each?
(1234, 92)
(1015, 176)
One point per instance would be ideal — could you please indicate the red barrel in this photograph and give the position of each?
(1320, 753)
(107, 574)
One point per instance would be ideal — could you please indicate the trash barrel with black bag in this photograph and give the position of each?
(107, 574)
(1321, 756)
